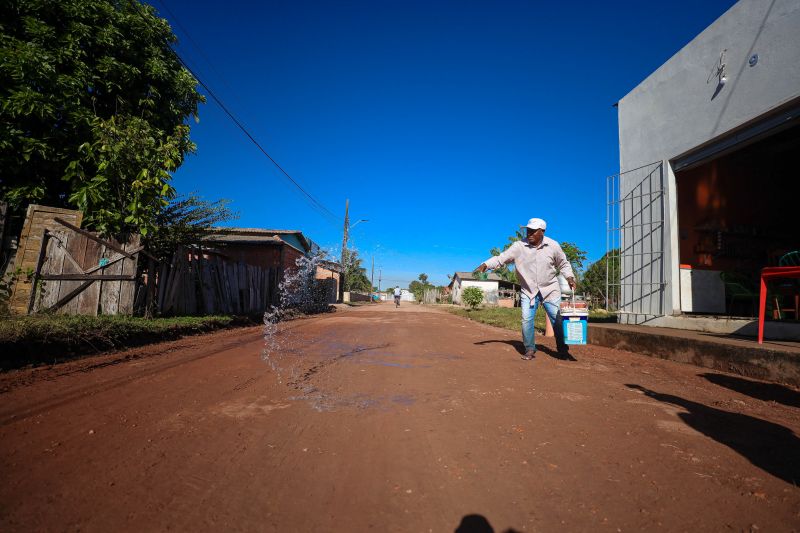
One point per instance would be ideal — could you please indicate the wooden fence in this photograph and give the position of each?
(80, 273)
(198, 282)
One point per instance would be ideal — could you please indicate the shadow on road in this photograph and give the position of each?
(555, 355)
(476, 523)
(520, 348)
(769, 392)
(769, 446)
(517, 345)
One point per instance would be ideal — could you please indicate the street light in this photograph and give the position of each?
(347, 228)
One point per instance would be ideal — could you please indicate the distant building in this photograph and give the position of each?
(329, 274)
(275, 248)
(708, 148)
(496, 290)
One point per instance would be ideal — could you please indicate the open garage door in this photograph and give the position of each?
(738, 213)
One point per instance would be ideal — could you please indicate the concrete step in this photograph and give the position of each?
(776, 361)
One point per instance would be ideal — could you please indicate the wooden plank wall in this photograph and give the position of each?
(195, 283)
(67, 252)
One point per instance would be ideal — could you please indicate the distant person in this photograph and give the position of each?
(537, 259)
(397, 294)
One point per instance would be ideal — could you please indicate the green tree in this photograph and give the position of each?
(472, 296)
(423, 278)
(186, 221)
(355, 276)
(93, 110)
(593, 282)
(575, 256)
(416, 288)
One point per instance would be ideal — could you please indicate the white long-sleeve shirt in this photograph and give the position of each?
(536, 267)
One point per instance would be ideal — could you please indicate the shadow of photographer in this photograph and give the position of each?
(476, 523)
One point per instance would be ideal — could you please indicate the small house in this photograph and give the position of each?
(496, 291)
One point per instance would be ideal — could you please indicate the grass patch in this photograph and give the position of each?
(502, 317)
(511, 318)
(49, 339)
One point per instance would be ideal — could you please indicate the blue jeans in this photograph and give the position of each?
(553, 312)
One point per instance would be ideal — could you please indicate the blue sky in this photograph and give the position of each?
(446, 124)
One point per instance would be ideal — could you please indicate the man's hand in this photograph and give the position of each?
(481, 268)
(572, 283)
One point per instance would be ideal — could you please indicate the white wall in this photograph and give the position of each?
(489, 288)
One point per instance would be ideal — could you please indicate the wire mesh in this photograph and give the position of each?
(635, 282)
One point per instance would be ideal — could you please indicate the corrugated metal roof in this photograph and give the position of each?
(256, 231)
(244, 239)
(262, 236)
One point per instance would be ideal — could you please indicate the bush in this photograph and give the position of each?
(472, 296)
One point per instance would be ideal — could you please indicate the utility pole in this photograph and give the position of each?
(346, 228)
(380, 273)
(343, 274)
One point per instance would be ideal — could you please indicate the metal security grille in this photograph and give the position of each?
(635, 269)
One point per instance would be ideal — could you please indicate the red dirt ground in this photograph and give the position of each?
(403, 419)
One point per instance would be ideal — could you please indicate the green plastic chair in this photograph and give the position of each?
(736, 290)
(790, 259)
(788, 288)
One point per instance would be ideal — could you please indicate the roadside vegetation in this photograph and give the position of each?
(510, 318)
(47, 339)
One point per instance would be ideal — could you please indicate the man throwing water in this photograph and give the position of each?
(537, 260)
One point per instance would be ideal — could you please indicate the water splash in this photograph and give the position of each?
(285, 351)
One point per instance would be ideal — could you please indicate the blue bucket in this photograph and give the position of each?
(575, 326)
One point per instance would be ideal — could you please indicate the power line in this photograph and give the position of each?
(253, 140)
(314, 202)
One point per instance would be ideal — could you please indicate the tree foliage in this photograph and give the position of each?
(93, 109)
(593, 282)
(472, 296)
(417, 288)
(355, 276)
(575, 256)
(186, 221)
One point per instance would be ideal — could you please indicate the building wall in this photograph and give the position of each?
(332, 279)
(489, 288)
(290, 257)
(262, 255)
(677, 109)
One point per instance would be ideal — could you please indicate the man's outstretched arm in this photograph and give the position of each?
(499, 260)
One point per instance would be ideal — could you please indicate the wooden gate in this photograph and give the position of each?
(80, 273)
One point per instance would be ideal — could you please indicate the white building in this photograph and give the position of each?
(496, 290)
(706, 194)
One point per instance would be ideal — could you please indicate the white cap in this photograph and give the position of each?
(536, 223)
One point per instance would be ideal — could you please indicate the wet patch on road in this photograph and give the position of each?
(239, 409)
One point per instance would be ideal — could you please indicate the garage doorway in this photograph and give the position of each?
(737, 213)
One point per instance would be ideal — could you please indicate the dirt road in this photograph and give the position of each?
(388, 419)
